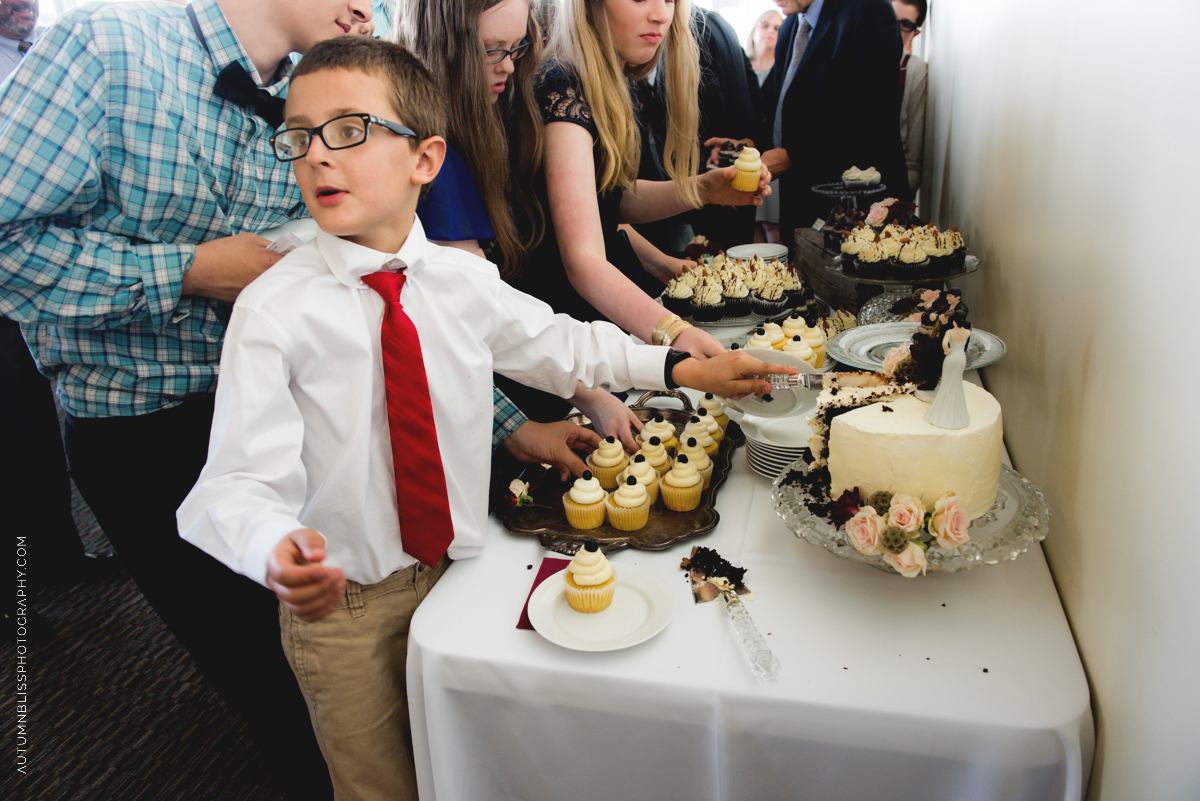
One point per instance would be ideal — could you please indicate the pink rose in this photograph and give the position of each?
(908, 563)
(928, 297)
(865, 531)
(906, 513)
(877, 215)
(949, 522)
(894, 358)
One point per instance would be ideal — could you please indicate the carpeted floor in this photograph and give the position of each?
(117, 709)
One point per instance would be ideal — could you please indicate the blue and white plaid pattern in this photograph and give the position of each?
(506, 418)
(115, 161)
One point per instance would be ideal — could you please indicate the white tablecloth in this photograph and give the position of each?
(963, 686)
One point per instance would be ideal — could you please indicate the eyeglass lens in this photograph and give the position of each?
(496, 56)
(338, 133)
(908, 26)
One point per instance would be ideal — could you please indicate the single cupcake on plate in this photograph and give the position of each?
(707, 304)
(714, 429)
(696, 428)
(774, 334)
(700, 460)
(658, 427)
(736, 297)
(759, 340)
(606, 461)
(584, 502)
(656, 455)
(590, 580)
(716, 409)
(678, 297)
(629, 506)
(645, 474)
(796, 346)
(680, 489)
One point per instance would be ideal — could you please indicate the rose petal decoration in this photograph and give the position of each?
(906, 513)
(865, 531)
(844, 507)
(949, 522)
(909, 562)
(518, 488)
(894, 358)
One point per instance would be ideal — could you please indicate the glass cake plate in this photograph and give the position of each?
(878, 308)
(1019, 518)
(866, 346)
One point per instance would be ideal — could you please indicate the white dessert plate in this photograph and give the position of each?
(796, 400)
(642, 606)
(866, 346)
(762, 249)
(786, 433)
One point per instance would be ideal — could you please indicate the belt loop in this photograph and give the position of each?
(354, 599)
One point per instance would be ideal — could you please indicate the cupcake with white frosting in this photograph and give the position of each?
(645, 474)
(774, 334)
(658, 427)
(759, 341)
(584, 502)
(678, 297)
(696, 428)
(736, 296)
(716, 409)
(714, 429)
(814, 337)
(680, 489)
(590, 580)
(708, 305)
(769, 298)
(656, 455)
(691, 450)
(629, 507)
(607, 461)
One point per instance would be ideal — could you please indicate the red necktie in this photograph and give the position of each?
(426, 529)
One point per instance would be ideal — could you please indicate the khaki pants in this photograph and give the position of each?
(350, 666)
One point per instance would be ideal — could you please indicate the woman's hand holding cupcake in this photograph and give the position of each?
(716, 186)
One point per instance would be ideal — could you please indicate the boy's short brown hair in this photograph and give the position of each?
(414, 94)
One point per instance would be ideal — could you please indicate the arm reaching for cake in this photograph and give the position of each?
(297, 577)
(733, 374)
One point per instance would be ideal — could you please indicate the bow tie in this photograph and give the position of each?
(235, 85)
(23, 47)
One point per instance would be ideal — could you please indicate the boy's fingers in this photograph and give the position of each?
(310, 543)
(300, 575)
(307, 593)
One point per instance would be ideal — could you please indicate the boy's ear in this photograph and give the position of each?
(431, 153)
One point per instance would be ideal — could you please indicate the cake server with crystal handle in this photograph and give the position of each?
(815, 382)
(764, 663)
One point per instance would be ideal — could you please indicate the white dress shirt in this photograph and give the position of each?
(300, 433)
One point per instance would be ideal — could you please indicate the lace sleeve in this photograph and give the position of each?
(560, 97)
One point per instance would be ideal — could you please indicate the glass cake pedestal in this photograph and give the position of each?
(878, 308)
(846, 196)
(1019, 518)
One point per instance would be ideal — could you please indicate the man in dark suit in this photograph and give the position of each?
(837, 66)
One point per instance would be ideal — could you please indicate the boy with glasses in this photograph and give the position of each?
(352, 422)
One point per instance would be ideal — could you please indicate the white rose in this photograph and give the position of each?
(865, 531)
(909, 562)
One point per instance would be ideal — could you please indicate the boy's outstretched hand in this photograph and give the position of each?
(728, 375)
(298, 578)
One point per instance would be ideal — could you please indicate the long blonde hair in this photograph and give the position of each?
(582, 42)
(498, 141)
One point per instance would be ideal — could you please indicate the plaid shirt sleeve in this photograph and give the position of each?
(50, 173)
(506, 418)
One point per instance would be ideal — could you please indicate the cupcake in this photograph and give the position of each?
(589, 580)
(629, 506)
(678, 297)
(656, 455)
(759, 341)
(607, 461)
(891, 247)
(658, 427)
(815, 338)
(768, 300)
(736, 297)
(714, 430)
(695, 428)
(680, 489)
(793, 326)
(707, 304)
(871, 261)
(700, 460)
(958, 248)
(748, 168)
(912, 258)
(797, 347)
(854, 178)
(774, 334)
(640, 469)
(584, 502)
(716, 409)
(793, 289)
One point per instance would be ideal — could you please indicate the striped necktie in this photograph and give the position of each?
(798, 46)
(426, 529)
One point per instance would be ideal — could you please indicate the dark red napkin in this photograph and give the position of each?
(549, 567)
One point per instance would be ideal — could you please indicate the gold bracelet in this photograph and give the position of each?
(660, 330)
(675, 330)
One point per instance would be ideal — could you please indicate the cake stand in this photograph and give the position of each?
(1019, 518)
(847, 197)
(876, 310)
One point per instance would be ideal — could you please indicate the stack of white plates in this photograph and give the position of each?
(773, 443)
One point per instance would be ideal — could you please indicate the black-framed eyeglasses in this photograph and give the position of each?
(496, 56)
(908, 26)
(349, 130)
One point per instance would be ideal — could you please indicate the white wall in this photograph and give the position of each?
(1063, 140)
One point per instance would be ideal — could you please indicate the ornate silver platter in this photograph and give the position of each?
(1019, 518)
(865, 347)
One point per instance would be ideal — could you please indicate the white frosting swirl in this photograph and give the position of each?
(683, 474)
(587, 491)
(590, 568)
(793, 326)
(609, 454)
(760, 341)
(656, 455)
(800, 349)
(696, 456)
(630, 495)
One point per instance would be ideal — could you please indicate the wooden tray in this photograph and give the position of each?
(548, 521)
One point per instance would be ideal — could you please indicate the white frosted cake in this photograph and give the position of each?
(887, 446)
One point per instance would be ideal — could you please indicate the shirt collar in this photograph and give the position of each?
(814, 13)
(349, 262)
(224, 48)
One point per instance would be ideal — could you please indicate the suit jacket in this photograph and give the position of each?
(912, 118)
(842, 108)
